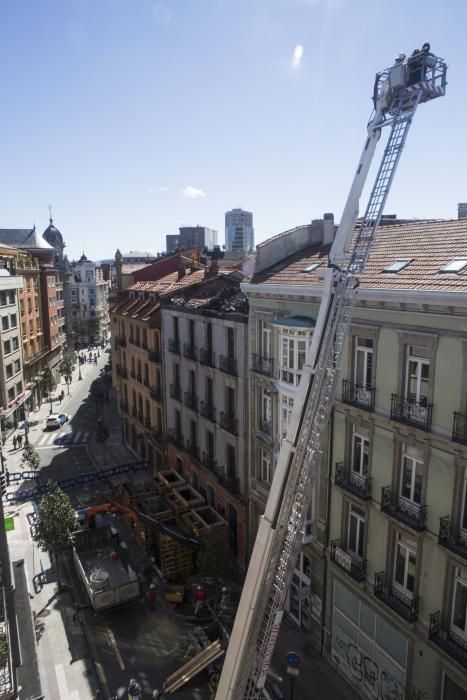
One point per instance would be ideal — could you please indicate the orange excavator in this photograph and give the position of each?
(169, 530)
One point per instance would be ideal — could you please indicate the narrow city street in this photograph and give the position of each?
(78, 651)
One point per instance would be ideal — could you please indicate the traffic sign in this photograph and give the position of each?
(293, 659)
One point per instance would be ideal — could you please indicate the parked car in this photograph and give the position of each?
(56, 420)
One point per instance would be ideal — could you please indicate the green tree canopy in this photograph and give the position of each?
(30, 458)
(56, 520)
(48, 382)
(67, 366)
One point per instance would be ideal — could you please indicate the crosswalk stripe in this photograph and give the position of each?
(50, 439)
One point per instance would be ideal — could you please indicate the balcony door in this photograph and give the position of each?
(300, 592)
(459, 606)
(356, 532)
(416, 386)
(363, 369)
(360, 448)
(405, 563)
(410, 494)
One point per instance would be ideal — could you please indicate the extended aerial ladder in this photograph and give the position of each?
(397, 93)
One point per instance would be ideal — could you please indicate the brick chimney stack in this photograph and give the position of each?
(462, 210)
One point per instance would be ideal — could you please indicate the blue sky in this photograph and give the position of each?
(111, 109)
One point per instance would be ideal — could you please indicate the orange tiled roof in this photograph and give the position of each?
(431, 244)
(169, 283)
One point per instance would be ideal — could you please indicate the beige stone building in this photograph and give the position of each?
(381, 584)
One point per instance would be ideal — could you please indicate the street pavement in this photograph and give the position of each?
(74, 654)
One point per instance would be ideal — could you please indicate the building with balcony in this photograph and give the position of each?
(88, 292)
(204, 331)
(13, 394)
(387, 561)
(137, 360)
(44, 332)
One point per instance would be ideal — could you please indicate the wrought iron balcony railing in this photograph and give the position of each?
(265, 426)
(405, 607)
(411, 411)
(156, 393)
(358, 395)
(447, 640)
(176, 392)
(411, 514)
(209, 462)
(356, 568)
(175, 437)
(357, 484)
(189, 351)
(207, 411)
(207, 357)
(459, 428)
(193, 448)
(191, 400)
(452, 538)
(228, 423)
(154, 356)
(263, 365)
(228, 365)
(174, 345)
(122, 372)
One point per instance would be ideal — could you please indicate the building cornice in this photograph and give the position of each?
(402, 296)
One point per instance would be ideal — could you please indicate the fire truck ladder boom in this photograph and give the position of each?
(398, 92)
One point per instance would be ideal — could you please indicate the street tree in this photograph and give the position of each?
(30, 458)
(66, 369)
(48, 384)
(53, 531)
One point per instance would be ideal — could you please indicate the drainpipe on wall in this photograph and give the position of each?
(327, 529)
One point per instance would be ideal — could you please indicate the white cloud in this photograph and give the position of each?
(193, 192)
(163, 188)
(297, 55)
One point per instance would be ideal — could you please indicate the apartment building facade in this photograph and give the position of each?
(137, 371)
(381, 583)
(88, 292)
(204, 339)
(13, 394)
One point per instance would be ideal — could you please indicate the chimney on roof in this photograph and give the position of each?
(212, 270)
(328, 228)
(462, 210)
(181, 272)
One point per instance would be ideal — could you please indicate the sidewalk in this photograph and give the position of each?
(36, 418)
(318, 679)
(56, 662)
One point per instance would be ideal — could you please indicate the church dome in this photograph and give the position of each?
(52, 235)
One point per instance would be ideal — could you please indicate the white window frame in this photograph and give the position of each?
(359, 476)
(367, 352)
(286, 403)
(463, 513)
(264, 338)
(419, 362)
(412, 463)
(409, 549)
(265, 467)
(266, 406)
(459, 580)
(360, 519)
(293, 344)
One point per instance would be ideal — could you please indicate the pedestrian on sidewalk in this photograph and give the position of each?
(152, 596)
(19, 440)
(14, 442)
(201, 597)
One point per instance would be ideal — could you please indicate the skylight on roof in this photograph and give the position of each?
(310, 268)
(398, 265)
(455, 265)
